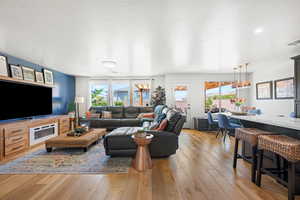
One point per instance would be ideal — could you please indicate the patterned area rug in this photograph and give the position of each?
(67, 161)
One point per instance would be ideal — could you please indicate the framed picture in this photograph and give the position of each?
(39, 77)
(48, 75)
(3, 66)
(284, 88)
(16, 72)
(264, 90)
(28, 74)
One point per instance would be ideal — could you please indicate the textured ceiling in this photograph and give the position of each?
(147, 37)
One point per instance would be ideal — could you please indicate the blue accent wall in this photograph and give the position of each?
(64, 90)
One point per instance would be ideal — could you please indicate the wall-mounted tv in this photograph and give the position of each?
(21, 100)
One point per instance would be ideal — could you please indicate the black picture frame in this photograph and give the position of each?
(276, 87)
(270, 85)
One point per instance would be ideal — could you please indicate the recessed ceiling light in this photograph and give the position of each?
(109, 63)
(258, 31)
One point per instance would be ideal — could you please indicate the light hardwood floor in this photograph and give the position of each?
(201, 169)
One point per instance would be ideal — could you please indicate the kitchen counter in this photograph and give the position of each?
(284, 122)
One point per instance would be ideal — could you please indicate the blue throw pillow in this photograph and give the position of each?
(160, 117)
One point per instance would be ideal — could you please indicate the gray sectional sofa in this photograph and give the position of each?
(122, 116)
(164, 143)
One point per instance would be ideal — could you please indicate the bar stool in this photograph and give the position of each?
(286, 147)
(249, 135)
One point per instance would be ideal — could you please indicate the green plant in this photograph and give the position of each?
(71, 107)
(97, 98)
(119, 103)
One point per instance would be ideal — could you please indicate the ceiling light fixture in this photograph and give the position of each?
(109, 63)
(258, 31)
(294, 43)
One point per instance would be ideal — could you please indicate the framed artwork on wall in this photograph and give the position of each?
(16, 72)
(48, 75)
(28, 74)
(264, 90)
(39, 77)
(284, 88)
(3, 66)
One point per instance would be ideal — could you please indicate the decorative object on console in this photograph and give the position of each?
(158, 97)
(16, 72)
(48, 77)
(28, 74)
(39, 77)
(3, 66)
(106, 114)
(238, 102)
(284, 88)
(78, 131)
(264, 90)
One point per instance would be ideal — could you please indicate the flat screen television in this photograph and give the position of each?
(21, 100)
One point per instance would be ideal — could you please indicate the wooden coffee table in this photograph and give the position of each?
(142, 159)
(84, 141)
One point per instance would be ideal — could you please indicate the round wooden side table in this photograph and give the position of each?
(142, 159)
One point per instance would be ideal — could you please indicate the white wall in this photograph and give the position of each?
(270, 71)
(195, 82)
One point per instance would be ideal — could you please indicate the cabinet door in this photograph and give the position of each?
(1, 144)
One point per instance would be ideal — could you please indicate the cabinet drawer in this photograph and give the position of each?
(15, 139)
(15, 131)
(15, 148)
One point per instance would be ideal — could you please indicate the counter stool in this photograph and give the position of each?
(249, 135)
(286, 147)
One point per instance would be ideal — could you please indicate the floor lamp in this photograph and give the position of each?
(78, 100)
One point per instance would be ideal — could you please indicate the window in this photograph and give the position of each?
(99, 95)
(120, 93)
(218, 96)
(180, 95)
(141, 92)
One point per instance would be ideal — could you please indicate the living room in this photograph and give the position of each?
(149, 99)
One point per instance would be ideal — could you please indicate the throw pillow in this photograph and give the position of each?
(148, 115)
(106, 114)
(172, 117)
(145, 115)
(162, 125)
(160, 117)
(88, 115)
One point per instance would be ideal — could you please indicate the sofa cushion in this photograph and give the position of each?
(172, 117)
(131, 112)
(146, 109)
(97, 109)
(105, 123)
(117, 112)
(120, 138)
(130, 122)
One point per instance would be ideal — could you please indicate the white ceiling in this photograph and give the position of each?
(147, 37)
